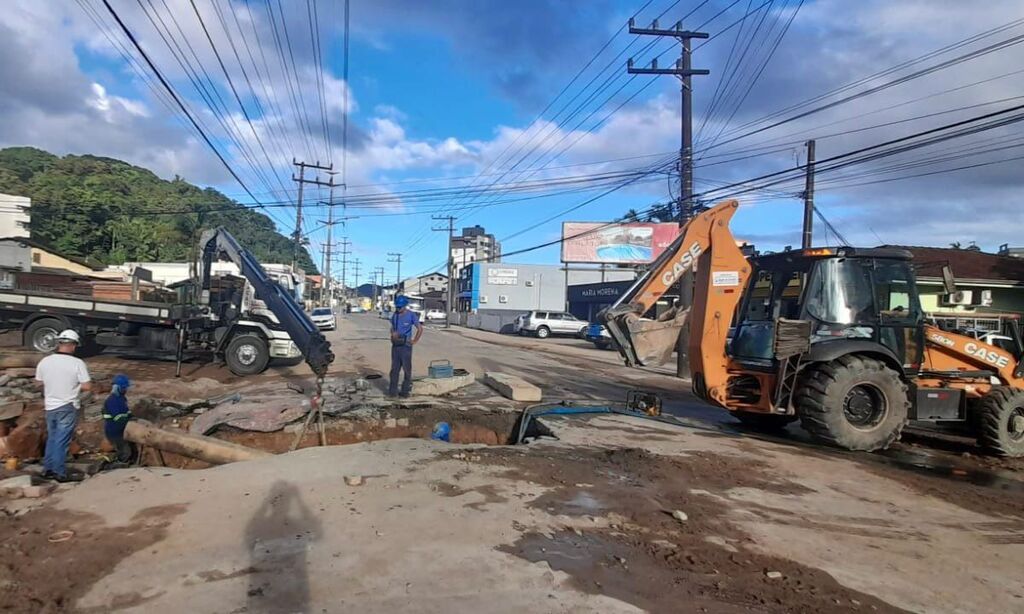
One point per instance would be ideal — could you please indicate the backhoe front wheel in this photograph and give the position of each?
(1001, 421)
(853, 402)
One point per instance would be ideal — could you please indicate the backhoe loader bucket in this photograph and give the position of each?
(654, 340)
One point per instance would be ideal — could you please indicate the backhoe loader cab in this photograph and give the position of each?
(862, 295)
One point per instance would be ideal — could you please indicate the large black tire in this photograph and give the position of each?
(41, 335)
(853, 402)
(543, 332)
(763, 422)
(247, 354)
(1001, 421)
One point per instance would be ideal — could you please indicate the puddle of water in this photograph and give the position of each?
(583, 503)
(925, 464)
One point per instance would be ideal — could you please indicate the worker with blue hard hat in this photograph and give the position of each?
(406, 330)
(115, 418)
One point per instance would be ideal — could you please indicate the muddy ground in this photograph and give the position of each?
(650, 558)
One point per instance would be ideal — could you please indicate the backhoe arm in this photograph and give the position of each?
(307, 337)
(706, 246)
(947, 352)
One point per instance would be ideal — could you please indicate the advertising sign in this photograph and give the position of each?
(636, 243)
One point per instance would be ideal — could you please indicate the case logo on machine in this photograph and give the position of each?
(685, 262)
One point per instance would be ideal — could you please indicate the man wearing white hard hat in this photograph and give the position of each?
(64, 377)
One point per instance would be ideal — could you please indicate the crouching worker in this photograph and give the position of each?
(115, 417)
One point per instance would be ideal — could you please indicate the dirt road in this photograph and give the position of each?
(618, 514)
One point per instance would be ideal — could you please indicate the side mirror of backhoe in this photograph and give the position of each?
(948, 281)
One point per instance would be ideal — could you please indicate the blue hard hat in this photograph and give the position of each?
(401, 301)
(121, 381)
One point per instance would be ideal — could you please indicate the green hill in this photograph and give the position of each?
(112, 212)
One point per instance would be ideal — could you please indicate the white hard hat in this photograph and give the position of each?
(68, 336)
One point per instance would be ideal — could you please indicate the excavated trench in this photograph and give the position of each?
(491, 428)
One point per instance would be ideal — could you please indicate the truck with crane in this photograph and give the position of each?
(245, 326)
(832, 337)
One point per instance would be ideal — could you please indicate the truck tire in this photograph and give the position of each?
(543, 332)
(247, 354)
(853, 402)
(41, 335)
(763, 422)
(1001, 422)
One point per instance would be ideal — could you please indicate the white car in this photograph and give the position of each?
(435, 314)
(323, 318)
(543, 324)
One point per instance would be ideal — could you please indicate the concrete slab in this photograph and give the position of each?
(431, 387)
(512, 387)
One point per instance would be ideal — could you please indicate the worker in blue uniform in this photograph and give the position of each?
(115, 417)
(406, 330)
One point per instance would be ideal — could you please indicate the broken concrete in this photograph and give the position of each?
(512, 387)
(265, 416)
(13, 487)
(432, 387)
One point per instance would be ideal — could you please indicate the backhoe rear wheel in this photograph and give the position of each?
(1001, 421)
(853, 402)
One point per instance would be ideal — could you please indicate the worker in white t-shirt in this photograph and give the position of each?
(63, 377)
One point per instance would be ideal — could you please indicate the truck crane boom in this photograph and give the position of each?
(311, 343)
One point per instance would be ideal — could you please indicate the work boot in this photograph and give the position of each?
(48, 475)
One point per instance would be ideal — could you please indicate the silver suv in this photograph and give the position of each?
(547, 323)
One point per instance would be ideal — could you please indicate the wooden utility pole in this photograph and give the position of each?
(450, 295)
(355, 265)
(809, 198)
(377, 290)
(684, 71)
(397, 258)
(345, 243)
(301, 180)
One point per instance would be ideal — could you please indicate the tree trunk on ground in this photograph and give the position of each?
(193, 446)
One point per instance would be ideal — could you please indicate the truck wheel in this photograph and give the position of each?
(1001, 421)
(41, 335)
(247, 354)
(853, 402)
(543, 332)
(763, 422)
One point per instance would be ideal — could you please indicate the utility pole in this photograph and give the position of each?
(328, 280)
(345, 243)
(355, 265)
(301, 180)
(809, 198)
(397, 258)
(377, 290)
(450, 298)
(684, 71)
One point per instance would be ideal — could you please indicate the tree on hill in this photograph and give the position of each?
(111, 211)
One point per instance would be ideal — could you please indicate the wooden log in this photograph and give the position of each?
(20, 361)
(202, 448)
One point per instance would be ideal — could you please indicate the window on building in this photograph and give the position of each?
(37, 258)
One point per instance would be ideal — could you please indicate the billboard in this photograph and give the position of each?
(634, 243)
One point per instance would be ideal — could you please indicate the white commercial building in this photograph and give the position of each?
(14, 216)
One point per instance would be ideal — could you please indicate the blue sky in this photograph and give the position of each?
(451, 89)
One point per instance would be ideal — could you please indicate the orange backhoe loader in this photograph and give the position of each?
(834, 337)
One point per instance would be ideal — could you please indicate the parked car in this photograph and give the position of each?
(435, 314)
(600, 337)
(324, 318)
(547, 323)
